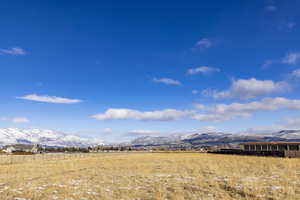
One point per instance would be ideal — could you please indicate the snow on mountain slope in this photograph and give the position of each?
(219, 137)
(206, 135)
(145, 140)
(180, 138)
(43, 137)
(284, 134)
(288, 134)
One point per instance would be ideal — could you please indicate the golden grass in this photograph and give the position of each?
(152, 176)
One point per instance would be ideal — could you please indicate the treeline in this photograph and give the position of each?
(64, 149)
(110, 148)
(106, 148)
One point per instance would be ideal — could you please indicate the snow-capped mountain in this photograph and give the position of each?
(287, 134)
(208, 135)
(217, 138)
(145, 140)
(180, 138)
(59, 139)
(44, 137)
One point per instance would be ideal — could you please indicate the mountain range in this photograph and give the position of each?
(44, 137)
(52, 138)
(216, 138)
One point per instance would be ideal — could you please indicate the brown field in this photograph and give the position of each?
(149, 176)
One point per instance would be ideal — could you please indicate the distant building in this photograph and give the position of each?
(277, 149)
(271, 146)
(285, 149)
(16, 148)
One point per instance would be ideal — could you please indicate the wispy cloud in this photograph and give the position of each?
(270, 8)
(142, 132)
(49, 99)
(206, 129)
(107, 131)
(202, 70)
(16, 51)
(292, 58)
(200, 106)
(293, 122)
(268, 63)
(296, 73)
(195, 91)
(284, 124)
(20, 120)
(249, 88)
(204, 43)
(286, 25)
(3, 118)
(167, 81)
(290, 25)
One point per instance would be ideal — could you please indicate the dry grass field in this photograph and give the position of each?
(151, 176)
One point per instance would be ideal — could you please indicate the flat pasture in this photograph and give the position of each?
(148, 176)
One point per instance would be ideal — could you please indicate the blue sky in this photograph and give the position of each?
(116, 69)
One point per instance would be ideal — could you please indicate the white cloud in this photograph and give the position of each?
(222, 112)
(204, 43)
(202, 70)
(266, 104)
(218, 112)
(271, 8)
(107, 131)
(3, 119)
(268, 63)
(208, 129)
(291, 58)
(20, 120)
(249, 88)
(166, 81)
(49, 99)
(129, 114)
(296, 73)
(291, 123)
(290, 25)
(142, 132)
(195, 92)
(200, 107)
(16, 51)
